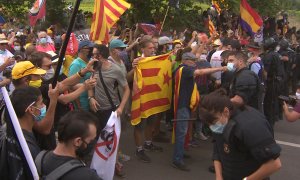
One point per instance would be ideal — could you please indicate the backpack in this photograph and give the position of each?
(60, 170)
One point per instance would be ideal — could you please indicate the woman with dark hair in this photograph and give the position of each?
(244, 146)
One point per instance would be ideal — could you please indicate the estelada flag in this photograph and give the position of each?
(152, 87)
(38, 11)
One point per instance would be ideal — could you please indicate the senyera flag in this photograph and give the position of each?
(250, 19)
(152, 87)
(106, 14)
(38, 11)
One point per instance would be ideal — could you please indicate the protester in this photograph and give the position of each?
(76, 139)
(216, 59)
(43, 44)
(185, 100)
(29, 108)
(85, 51)
(294, 114)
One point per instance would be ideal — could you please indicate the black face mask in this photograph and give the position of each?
(84, 151)
(90, 54)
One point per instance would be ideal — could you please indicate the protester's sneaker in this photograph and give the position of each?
(119, 170)
(194, 144)
(180, 166)
(153, 147)
(142, 156)
(123, 157)
(200, 136)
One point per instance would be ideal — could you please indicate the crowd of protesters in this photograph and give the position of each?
(238, 75)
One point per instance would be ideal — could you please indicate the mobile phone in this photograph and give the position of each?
(95, 65)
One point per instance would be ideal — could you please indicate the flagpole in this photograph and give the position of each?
(65, 43)
(162, 26)
(19, 133)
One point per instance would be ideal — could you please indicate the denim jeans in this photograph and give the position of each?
(183, 114)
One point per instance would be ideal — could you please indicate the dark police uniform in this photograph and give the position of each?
(246, 143)
(245, 84)
(274, 86)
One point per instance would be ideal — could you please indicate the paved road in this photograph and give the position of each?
(160, 168)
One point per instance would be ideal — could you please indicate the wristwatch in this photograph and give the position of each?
(80, 73)
(90, 97)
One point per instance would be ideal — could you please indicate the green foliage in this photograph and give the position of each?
(18, 9)
(188, 15)
(11, 9)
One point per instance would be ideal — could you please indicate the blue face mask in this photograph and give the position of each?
(231, 67)
(42, 114)
(217, 128)
(2, 52)
(43, 40)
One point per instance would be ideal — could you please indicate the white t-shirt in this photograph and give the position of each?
(6, 54)
(216, 61)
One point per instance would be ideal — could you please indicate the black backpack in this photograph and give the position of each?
(60, 170)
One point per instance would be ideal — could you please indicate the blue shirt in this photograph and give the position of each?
(75, 67)
(186, 86)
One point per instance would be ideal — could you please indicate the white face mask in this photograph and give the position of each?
(49, 74)
(17, 48)
(277, 48)
(297, 95)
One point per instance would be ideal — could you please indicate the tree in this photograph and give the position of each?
(18, 10)
(188, 15)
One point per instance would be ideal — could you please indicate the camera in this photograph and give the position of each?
(291, 100)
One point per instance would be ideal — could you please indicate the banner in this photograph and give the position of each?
(72, 47)
(106, 150)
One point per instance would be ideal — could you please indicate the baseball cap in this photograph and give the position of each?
(85, 43)
(189, 56)
(164, 40)
(25, 68)
(116, 43)
(217, 42)
(54, 56)
(177, 41)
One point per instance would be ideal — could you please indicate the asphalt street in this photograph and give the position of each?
(287, 134)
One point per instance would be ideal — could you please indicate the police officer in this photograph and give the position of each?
(244, 146)
(274, 73)
(244, 87)
(288, 57)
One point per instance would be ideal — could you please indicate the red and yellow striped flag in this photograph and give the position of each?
(106, 14)
(211, 27)
(216, 5)
(152, 87)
